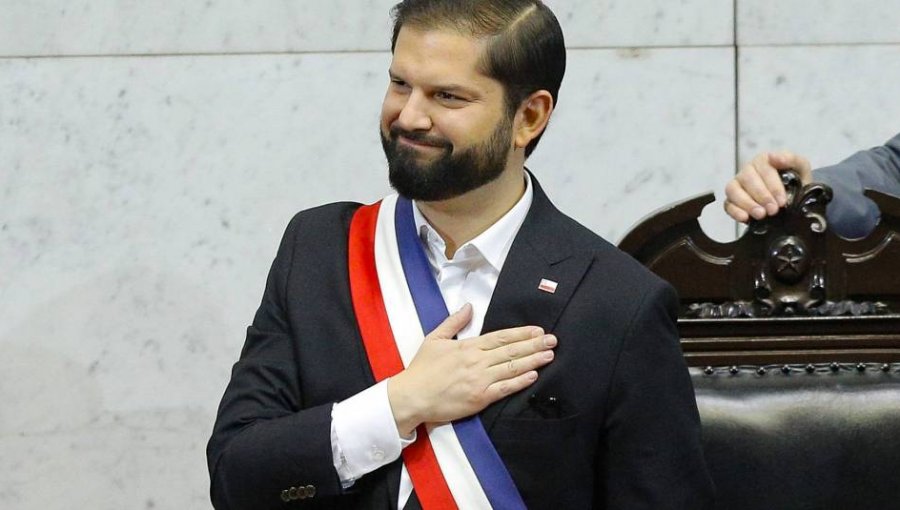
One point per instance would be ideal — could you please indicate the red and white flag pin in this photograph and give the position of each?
(548, 286)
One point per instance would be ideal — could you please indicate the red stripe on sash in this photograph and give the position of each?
(384, 358)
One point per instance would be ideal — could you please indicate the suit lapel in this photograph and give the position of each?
(542, 250)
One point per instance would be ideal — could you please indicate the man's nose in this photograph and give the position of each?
(415, 114)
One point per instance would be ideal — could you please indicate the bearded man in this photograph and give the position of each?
(556, 382)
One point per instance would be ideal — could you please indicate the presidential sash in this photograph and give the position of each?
(397, 302)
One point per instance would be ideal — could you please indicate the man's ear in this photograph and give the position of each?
(532, 117)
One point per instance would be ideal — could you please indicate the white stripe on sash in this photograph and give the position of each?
(397, 299)
(408, 334)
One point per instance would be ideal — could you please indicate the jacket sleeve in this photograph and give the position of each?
(850, 213)
(264, 441)
(653, 443)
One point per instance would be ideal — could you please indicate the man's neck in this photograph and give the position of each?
(461, 219)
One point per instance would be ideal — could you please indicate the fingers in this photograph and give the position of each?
(509, 336)
(451, 379)
(515, 367)
(740, 205)
(761, 182)
(520, 349)
(757, 191)
(511, 358)
(769, 169)
(506, 387)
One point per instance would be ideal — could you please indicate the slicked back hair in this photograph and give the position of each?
(525, 48)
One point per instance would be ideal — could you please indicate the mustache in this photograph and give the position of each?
(420, 137)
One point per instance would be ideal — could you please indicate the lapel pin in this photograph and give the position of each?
(548, 286)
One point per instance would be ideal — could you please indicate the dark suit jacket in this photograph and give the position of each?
(625, 432)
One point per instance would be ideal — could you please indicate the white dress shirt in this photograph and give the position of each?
(364, 435)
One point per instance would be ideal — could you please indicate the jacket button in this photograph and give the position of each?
(285, 496)
(311, 491)
(292, 493)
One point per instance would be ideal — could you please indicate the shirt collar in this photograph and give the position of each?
(494, 243)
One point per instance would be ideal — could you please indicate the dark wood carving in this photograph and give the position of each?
(789, 290)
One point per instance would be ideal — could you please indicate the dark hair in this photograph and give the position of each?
(525, 51)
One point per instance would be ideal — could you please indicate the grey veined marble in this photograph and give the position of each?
(152, 155)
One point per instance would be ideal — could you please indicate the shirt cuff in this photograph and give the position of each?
(364, 435)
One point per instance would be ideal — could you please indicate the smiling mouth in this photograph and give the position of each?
(417, 143)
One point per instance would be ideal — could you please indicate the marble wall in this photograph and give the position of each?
(152, 152)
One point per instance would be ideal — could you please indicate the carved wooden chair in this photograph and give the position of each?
(792, 336)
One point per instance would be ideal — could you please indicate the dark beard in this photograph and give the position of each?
(450, 175)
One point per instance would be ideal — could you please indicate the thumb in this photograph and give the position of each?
(804, 169)
(453, 324)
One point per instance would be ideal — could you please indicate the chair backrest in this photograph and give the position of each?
(792, 336)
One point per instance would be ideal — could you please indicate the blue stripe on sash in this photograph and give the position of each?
(430, 307)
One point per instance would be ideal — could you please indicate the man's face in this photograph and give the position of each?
(444, 125)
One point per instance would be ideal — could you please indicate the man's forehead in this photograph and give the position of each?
(445, 29)
(438, 49)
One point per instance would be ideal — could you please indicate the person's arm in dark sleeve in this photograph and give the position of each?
(653, 444)
(850, 213)
(264, 442)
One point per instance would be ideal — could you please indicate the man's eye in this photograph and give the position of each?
(446, 96)
(398, 83)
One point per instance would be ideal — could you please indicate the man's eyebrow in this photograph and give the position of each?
(451, 87)
(447, 87)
